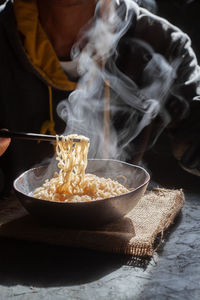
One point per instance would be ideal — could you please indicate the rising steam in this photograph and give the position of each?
(83, 111)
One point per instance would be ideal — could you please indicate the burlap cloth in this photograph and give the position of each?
(138, 233)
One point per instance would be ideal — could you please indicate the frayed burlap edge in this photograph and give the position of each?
(148, 249)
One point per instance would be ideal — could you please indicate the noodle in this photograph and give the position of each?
(71, 184)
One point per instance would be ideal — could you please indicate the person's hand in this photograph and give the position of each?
(186, 149)
(190, 160)
(4, 143)
(186, 141)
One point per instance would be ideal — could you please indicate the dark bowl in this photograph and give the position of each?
(84, 214)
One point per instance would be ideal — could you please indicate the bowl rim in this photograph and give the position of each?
(84, 202)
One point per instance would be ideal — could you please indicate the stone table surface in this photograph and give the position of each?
(39, 271)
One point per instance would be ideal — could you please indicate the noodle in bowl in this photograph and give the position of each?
(93, 188)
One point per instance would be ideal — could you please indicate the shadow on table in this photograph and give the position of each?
(44, 265)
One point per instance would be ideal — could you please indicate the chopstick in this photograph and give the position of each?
(30, 136)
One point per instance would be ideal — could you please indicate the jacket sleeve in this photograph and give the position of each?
(183, 104)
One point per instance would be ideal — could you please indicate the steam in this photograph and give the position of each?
(148, 4)
(98, 62)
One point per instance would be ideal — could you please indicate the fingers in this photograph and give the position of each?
(4, 143)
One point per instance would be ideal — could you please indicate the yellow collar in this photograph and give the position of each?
(37, 46)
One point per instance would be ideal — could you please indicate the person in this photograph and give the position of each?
(38, 72)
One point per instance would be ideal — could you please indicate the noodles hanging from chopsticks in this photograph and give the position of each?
(71, 184)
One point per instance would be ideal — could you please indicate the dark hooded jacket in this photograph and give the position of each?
(31, 77)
